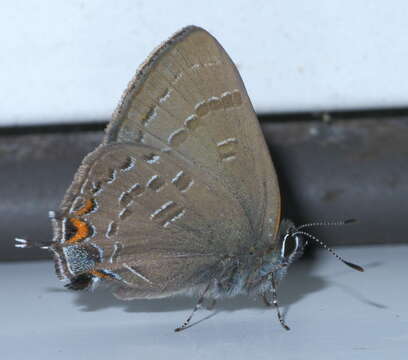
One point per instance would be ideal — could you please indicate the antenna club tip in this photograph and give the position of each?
(353, 266)
(350, 221)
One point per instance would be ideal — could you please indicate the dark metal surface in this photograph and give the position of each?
(327, 169)
(345, 169)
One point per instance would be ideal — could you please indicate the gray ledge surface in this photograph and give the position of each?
(333, 311)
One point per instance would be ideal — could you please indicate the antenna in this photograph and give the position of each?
(330, 250)
(328, 223)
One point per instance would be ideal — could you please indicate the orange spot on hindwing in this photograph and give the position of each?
(77, 230)
(86, 208)
(100, 274)
(104, 274)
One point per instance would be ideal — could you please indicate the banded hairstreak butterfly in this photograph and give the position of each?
(181, 197)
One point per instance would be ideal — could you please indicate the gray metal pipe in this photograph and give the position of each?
(328, 170)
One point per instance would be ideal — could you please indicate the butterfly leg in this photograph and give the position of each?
(275, 303)
(196, 307)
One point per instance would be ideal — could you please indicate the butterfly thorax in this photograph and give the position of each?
(255, 271)
(246, 274)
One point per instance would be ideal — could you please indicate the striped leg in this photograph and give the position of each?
(275, 303)
(198, 306)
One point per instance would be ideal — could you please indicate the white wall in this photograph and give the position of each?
(70, 60)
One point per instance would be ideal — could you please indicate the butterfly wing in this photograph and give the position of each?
(209, 186)
(188, 99)
(160, 226)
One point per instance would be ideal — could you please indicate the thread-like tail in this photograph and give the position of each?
(25, 244)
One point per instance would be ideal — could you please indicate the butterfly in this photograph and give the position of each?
(182, 196)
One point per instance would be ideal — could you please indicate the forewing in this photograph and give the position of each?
(188, 100)
(160, 225)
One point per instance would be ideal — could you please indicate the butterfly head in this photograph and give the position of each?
(288, 247)
(291, 243)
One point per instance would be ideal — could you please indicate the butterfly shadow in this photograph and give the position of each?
(298, 283)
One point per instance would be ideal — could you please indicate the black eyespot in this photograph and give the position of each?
(80, 282)
(70, 229)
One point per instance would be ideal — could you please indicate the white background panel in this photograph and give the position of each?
(70, 60)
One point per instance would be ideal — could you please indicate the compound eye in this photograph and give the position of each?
(289, 246)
